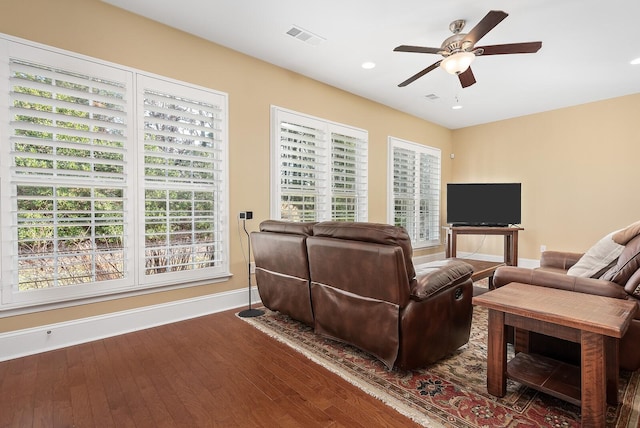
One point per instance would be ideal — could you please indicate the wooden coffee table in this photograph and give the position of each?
(596, 322)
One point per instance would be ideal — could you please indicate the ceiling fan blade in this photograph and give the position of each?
(418, 49)
(420, 74)
(467, 78)
(513, 48)
(491, 19)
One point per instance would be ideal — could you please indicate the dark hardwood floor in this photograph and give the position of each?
(212, 371)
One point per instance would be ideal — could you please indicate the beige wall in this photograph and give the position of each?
(96, 29)
(578, 167)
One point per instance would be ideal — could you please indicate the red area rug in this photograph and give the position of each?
(452, 392)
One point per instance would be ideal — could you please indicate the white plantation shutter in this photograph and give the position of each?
(184, 164)
(429, 196)
(415, 190)
(404, 185)
(319, 169)
(68, 178)
(348, 178)
(111, 180)
(302, 164)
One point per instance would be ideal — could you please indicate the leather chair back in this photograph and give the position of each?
(282, 267)
(360, 280)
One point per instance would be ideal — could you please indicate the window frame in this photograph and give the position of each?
(134, 280)
(324, 194)
(192, 92)
(417, 149)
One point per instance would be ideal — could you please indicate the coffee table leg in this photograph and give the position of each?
(593, 403)
(497, 355)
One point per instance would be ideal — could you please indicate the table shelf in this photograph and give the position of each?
(545, 374)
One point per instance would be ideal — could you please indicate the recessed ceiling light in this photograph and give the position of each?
(368, 65)
(635, 61)
(457, 105)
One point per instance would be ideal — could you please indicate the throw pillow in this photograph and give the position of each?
(598, 259)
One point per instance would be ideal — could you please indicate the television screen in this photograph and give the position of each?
(483, 204)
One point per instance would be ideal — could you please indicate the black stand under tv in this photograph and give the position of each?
(510, 234)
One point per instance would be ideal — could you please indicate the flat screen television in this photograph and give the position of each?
(483, 204)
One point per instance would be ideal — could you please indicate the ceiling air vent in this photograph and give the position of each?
(305, 36)
(432, 97)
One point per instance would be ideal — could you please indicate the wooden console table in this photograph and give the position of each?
(596, 322)
(510, 239)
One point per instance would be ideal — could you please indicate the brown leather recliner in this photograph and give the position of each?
(364, 291)
(282, 267)
(621, 280)
(356, 283)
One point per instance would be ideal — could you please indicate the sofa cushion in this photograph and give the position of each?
(627, 264)
(623, 236)
(598, 259)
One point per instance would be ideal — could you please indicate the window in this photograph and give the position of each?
(414, 191)
(319, 169)
(80, 171)
(184, 164)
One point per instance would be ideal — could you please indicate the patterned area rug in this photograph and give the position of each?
(452, 392)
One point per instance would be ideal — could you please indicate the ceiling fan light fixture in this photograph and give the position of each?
(458, 62)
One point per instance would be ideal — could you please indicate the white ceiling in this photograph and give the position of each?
(586, 49)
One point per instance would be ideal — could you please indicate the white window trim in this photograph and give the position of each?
(277, 115)
(13, 301)
(394, 142)
(146, 81)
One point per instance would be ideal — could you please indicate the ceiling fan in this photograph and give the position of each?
(460, 50)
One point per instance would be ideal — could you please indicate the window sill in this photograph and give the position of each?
(23, 308)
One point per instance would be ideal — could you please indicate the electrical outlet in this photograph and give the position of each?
(543, 248)
(245, 215)
(252, 267)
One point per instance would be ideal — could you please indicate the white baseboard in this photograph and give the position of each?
(418, 260)
(31, 341)
(526, 263)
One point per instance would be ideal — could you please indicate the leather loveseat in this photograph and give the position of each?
(621, 279)
(359, 286)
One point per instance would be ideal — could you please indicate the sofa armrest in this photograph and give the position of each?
(600, 287)
(439, 275)
(559, 259)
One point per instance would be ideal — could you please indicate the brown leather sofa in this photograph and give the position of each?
(621, 280)
(363, 290)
